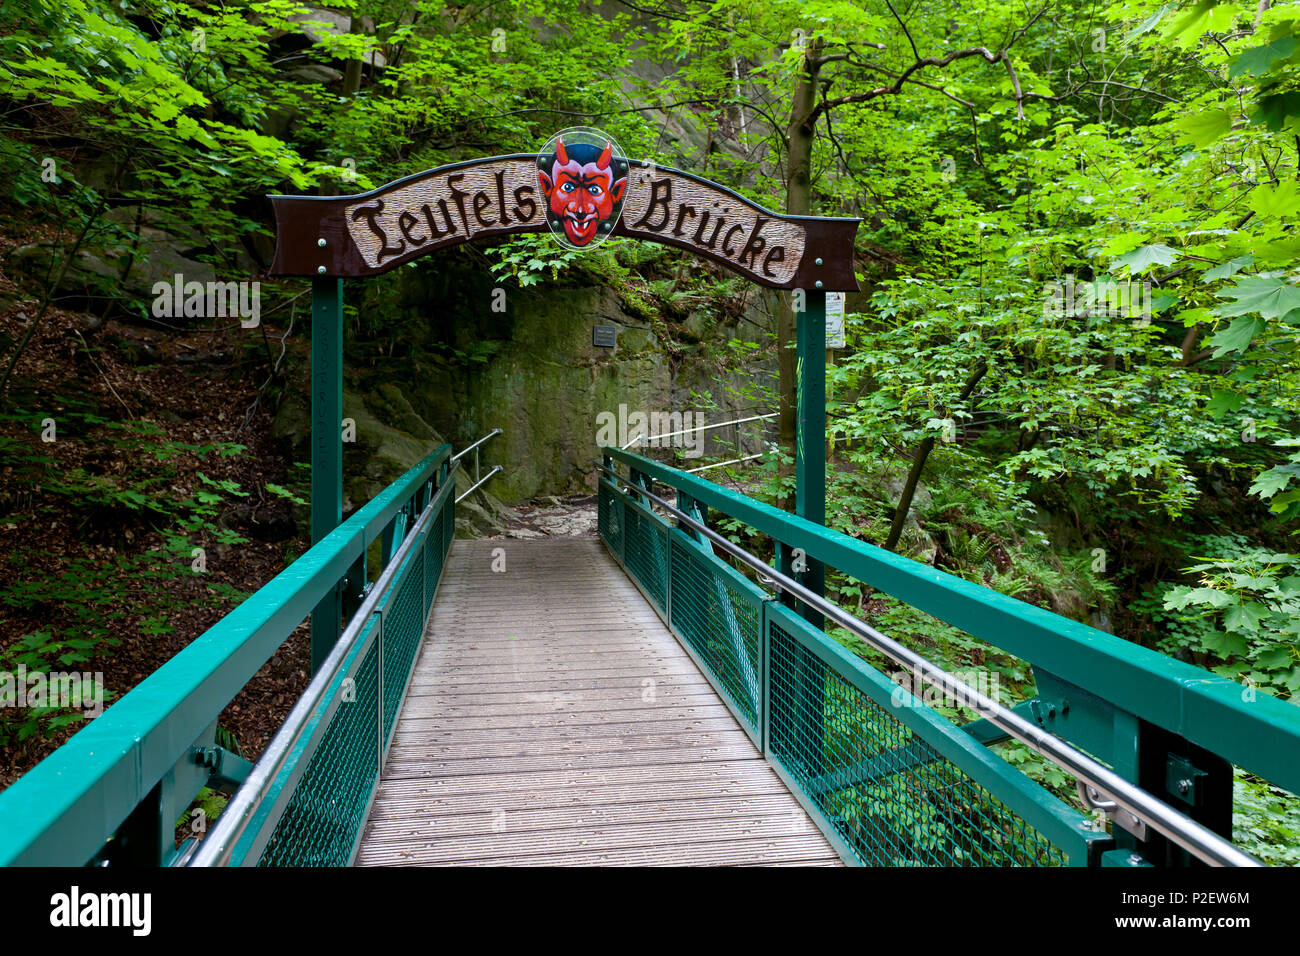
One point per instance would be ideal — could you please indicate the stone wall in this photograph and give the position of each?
(533, 371)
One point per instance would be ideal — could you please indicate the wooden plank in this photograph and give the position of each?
(428, 750)
(431, 767)
(665, 694)
(436, 667)
(540, 684)
(724, 776)
(531, 736)
(789, 851)
(390, 826)
(425, 801)
(434, 706)
(547, 729)
(509, 721)
(666, 837)
(546, 673)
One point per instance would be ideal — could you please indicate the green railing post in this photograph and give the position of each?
(1193, 780)
(810, 434)
(697, 510)
(140, 840)
(810, 503)
(326, 447)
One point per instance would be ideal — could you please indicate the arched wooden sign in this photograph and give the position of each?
(584, 191)
(370, 233)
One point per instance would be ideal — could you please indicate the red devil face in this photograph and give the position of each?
(581, 195)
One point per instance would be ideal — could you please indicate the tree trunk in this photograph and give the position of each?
(918, 465)
(352, 71)
(91, 221)
(798, 202)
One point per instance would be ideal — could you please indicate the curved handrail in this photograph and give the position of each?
(492, 434)
(1187, 833)
(1261, 734)
(479, 478)
(66, 807)
(220, 842)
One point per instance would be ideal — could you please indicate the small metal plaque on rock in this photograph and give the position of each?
(604, 336)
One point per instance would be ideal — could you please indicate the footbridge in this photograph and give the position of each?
(656, 695)
(661, 694)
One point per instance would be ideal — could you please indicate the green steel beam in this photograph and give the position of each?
(1261, 734)
(1127, 858)
(810, 489)
(326, 447)
(61, 812)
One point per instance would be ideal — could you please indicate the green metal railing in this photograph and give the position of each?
(887, 778)
(114, 792)
(306, 801)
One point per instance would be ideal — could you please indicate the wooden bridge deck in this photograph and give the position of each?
(553, 719)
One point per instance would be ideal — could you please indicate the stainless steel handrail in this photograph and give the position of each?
(216, 848)
(479, 479)
(494, 432)
(719, 464)
(644, 438)
(1196, 839)
(474, 487)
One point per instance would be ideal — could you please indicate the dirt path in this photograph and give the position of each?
(571, 516)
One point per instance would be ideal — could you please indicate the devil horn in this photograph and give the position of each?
(560, 154)
(604, 157)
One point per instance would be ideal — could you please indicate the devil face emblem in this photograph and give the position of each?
(584, 181)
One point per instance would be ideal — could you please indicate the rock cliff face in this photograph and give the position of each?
(529, 367)
(532, 370)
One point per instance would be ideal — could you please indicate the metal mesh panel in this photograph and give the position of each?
(645, 552)
(449, 522)
(327, 809)
(882, 787)
(448, 526)
(720, 622)
(403, 628)
(609, 519)
(321, 822)
(432, 558)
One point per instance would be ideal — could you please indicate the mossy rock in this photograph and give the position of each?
(381, 451)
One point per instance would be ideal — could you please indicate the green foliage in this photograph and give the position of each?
(283, 492)
(128, 480)
(1245, 612)
(1266, 820)
(207, 801)
(133, 474)
(1138, 143)
(1280, 485)
(530, 258)
(40, 653)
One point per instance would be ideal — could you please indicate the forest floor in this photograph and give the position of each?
(111, 434)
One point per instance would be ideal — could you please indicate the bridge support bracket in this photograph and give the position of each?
(226, 771)
(1124, 858)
